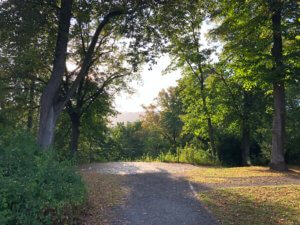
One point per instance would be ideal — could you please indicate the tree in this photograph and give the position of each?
(170, 107)
(129, 13)
(279, 117)
(129, 140)
(187, 51)
(103, 85)
(51, 106)
(250, 29)
(27, 47)
(245, 100)
(163, 117)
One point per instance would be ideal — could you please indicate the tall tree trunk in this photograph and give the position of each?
(212, 137)
(49, 110)
(278, 130)
(31, 102)
(49, 100)
(75, 134)
(211, 132)
(245, 127)
(47, 128)
(91, 153)
(245, 144)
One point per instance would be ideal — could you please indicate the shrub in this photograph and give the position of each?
(35, 188)
(188, 154)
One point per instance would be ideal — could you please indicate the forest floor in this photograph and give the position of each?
(138, 193)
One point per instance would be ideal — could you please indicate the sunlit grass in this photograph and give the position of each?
(219, 174)
(255, 205)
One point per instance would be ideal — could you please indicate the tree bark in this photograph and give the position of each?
(31, 102)
(245, 128)
(212, 137)
(49, 110)
(49, 100)
(211, 132)
(47, 128)
(278, 129)
(245, 144)
(75, 119)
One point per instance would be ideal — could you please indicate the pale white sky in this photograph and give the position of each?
(152, 82)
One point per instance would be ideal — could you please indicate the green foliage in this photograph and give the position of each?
(131, 141)
(188, 154)
(35, 188)
(162, 120)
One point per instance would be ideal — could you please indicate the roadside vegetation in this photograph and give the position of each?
(36, 188)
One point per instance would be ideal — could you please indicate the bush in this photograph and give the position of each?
(35, 188)
(188, 154)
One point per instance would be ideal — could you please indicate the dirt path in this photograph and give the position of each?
(158, 195)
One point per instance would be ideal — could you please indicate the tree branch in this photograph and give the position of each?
(88, 57)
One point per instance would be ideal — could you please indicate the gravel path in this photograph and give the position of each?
(160, 193)
(157, 195)
(130, 168)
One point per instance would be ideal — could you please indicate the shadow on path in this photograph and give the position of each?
(160, 199)
(160, 194)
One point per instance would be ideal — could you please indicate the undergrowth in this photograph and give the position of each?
(187, 154)
(35, 188)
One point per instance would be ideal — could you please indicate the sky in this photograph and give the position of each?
(152, 82)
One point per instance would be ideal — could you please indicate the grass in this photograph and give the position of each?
(105, 191)
(271, 205)
(254, 203)
(221, 175)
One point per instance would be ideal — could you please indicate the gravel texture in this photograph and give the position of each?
(129, 168)
(160, 199)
